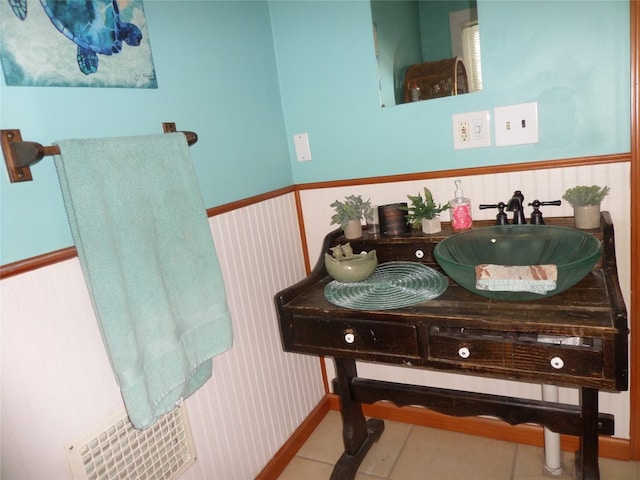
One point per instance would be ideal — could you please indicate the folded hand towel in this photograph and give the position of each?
(149, 261)
(516, 278)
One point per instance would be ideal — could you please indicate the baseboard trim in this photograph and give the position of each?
(281, 459)
(613, 448)
(609, 447)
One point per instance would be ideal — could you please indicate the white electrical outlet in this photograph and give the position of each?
(471, 130)
(516, 124)
(463, 130)
(301, 143)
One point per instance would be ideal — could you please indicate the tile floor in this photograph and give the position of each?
(407, 452)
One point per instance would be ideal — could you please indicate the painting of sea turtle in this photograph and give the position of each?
(94, 26)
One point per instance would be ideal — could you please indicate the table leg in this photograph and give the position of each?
(587, 456)
(358, 434)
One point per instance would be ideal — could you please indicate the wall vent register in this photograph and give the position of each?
(115, 450)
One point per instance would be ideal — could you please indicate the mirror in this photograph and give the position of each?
(426, 49)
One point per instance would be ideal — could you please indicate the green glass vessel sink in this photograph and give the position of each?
(572, 251)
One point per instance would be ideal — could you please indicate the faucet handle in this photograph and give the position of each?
(538, 203)
(536, 215)
(501, 218)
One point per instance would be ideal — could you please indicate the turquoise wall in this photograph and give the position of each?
(572, 57)
(222, 66)
(217, 76)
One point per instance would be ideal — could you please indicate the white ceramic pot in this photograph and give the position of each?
(431, 225)
(587, 217)
(353, 229)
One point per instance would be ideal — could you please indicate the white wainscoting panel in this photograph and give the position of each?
(57, 382)
(543, 185)
(261, 395)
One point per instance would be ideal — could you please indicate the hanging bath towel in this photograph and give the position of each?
(149, 261)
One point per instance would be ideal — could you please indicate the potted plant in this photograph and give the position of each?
(349, 215)
(423, 212)
(586, 201)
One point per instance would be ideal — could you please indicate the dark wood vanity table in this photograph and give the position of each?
(461, 332)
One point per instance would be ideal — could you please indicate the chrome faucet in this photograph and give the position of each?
(516, 205)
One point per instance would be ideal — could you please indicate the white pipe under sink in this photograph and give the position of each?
(552, 454)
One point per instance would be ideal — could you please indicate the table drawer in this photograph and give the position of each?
(389, 252)
(330, 335)
(584, 361)
(474, 347)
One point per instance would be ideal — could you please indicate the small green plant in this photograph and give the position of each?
(353, 208)
(422, 208)
(584, 195)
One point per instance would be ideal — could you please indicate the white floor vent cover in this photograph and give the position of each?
(116, 450)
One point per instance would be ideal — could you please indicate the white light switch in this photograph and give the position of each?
(301, 143)
(516, 124)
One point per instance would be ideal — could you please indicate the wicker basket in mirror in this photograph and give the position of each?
(436, 79)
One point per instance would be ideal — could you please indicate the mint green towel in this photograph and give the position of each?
(148, 258)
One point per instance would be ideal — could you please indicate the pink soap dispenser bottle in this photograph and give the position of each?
(460, 210)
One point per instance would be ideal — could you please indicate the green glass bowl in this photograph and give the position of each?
(573, 252)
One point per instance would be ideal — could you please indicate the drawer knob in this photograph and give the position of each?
(557, 363)
(349, 337)
(419, 253)
(464, 352)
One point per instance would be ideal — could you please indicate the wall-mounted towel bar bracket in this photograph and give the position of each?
(19, 155)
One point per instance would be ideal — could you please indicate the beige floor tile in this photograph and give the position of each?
(431, 454)
(406, 452)
(529, 464)
(385, 451)
(325, 445)
(619, 470)
(529, 460)
(304, 469)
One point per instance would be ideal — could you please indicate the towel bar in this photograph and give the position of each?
(19, 155)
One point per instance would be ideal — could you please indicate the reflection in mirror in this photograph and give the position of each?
(426, 49)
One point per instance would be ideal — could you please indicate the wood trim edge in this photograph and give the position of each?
(609, 447)
(303, 233)
(467, 172)
(634, 314)
(40, 261)
(281, 459)
(245, 202)
(34, 263)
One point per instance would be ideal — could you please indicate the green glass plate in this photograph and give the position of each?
(392, 285)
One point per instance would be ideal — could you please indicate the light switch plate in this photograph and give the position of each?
(516, 124)
(471, 130)
(301, 143)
